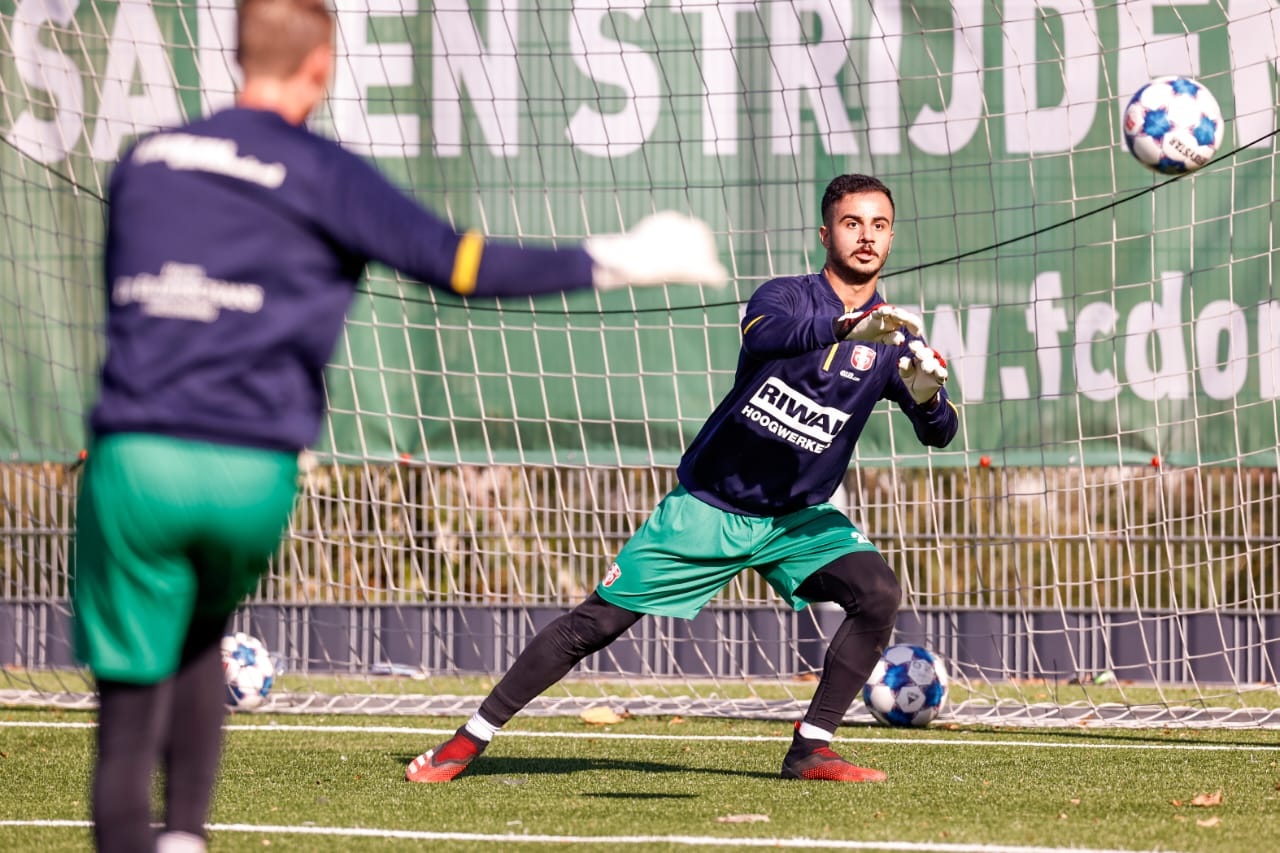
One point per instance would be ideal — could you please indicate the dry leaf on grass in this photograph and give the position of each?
(743, 818)
(601, 715)
(1202, 800)
(1209, 821)
(1214, 799)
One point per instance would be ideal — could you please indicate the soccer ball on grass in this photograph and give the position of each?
(907, 687)
(1173, 125)
(248, 670)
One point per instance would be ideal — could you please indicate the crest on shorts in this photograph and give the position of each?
(863, 357)
(615, 572)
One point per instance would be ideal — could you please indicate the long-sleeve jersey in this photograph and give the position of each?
(781, 440)
(234, 245)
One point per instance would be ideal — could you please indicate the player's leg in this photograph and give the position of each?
(194, 746)
(558, 648)
(238, 515)
(553, 651)
(132, 592)
(678, 559)
(817, 555)
(868, 591)
(131, 726)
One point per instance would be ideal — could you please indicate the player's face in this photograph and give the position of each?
(859, 236)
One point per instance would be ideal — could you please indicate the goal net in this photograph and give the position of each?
(1098, 545)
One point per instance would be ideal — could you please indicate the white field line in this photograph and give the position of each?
(931, 741)
(684, 840)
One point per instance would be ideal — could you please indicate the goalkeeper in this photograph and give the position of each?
(234, 246)
(819, 352)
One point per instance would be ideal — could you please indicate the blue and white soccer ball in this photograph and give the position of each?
(907, 687)
(1173, 125)
(248, 670)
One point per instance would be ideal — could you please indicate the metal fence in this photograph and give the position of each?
(1054, 538)
(1171, 573)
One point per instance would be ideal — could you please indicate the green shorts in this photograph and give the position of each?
(688, 550)
(169, 532)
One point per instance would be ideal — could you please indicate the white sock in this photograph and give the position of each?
(179, 842)
(812, 732)
(481, 728)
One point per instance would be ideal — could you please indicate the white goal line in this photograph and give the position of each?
(681, 840)
(914, 741)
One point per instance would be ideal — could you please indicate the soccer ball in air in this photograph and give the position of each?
(248, 670)
(1173, 125)
(907, 687)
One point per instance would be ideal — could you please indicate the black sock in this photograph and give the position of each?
(132, 722)
(478, 743)
(804, 745)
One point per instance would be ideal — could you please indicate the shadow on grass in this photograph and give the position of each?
(519, 766)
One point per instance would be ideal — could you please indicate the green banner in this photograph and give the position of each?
(1091, 312)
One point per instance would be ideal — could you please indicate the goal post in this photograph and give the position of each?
(1099, 543)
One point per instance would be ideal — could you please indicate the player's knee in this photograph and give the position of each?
(881, 595)
(596, 623)
(865, 586)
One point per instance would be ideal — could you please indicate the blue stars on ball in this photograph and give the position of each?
(1205, 131)
(897, 676)
(1156, 123)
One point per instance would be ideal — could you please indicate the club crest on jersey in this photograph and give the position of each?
(789, 415)
(863, 357)
(615, 572)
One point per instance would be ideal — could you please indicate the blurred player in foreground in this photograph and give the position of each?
(234, 245)
(819, 352)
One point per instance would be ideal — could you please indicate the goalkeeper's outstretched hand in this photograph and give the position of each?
(664, 248)
(923, 371)
(884, 324)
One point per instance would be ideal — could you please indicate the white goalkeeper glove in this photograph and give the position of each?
(923, 372)
(883, 324)
(666, 247)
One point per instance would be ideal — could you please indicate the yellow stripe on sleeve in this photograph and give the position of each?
(831, 354)
(466, 263)
(747, 327)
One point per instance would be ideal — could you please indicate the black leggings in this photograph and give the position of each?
(861, 583)
(176, 724)
(868, 591)
(553, 651)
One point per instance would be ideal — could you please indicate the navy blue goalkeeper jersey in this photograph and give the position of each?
(783, 437)
(234, 245)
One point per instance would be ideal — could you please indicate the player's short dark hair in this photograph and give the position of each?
(849, 185)
(273, 37)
